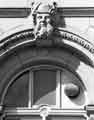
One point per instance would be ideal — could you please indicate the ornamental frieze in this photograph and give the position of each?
(79, 40)
(56, 39)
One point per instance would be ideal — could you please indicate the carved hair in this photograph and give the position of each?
(52, 10)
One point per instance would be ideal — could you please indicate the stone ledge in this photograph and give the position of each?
(64, 11)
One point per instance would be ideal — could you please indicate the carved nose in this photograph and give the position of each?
(43, 22)
(43, 19)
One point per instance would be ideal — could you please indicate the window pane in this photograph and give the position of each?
(65, 118)
(12, 118)
(45, 87)
(33, 117)
(17, 95)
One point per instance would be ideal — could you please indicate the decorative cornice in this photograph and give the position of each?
(64, 11)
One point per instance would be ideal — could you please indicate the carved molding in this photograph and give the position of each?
(79, 40)
(79, 114)
(62, 112)
(27, 36)
(13, 40)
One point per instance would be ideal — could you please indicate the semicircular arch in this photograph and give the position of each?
(68, 39)
(73, 43)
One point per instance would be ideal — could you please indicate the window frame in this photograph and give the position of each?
(31, 71)
(29, 111)
(58, 86)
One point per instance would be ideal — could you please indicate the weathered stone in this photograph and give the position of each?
(72, 90)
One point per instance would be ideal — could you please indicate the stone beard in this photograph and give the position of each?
(43, 30)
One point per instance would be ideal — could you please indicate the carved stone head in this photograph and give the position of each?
(44, 8)
(44, 19)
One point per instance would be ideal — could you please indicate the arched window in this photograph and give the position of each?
(33, 88)
(39, 86)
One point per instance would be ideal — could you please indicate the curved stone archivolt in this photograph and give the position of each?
(79, 43)
(77, 39)
(65, 38)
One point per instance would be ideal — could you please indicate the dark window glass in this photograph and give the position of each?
(12, 118)
(33, 117)
(17, 94)
(44, 87)
(60, 117)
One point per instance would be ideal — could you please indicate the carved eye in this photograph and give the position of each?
(47, 17)
(39, 17)
(72, 90)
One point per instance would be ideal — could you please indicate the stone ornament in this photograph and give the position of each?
(41, 7)
(44, 111)
(71, 90)
(44, 19)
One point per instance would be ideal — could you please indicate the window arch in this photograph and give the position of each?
(41, 90)
(44, 85)
(33, 87)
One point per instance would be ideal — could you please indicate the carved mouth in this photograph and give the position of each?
(43, 24)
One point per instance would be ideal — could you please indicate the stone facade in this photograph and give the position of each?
(70, 54)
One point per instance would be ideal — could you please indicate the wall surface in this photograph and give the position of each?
(63, 3)
(82, 25)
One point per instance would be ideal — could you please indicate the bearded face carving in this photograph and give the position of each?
(44, 20)
(43, 25)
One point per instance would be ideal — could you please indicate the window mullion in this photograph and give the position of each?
(58, 89)
(30, 102)
(62, 88)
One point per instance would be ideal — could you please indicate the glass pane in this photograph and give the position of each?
(17, 95)
(33, 117)
(12, 118)
(60, 117)
(45, 87)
